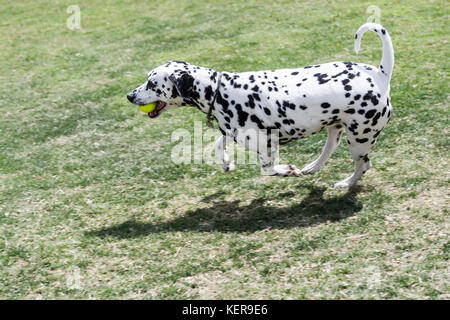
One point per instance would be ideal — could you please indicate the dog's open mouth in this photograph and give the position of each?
(159, 106)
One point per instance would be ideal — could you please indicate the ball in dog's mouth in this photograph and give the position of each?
(159, 106)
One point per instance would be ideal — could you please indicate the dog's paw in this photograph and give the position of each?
(347, 183)
(287, 170)
(310, 168)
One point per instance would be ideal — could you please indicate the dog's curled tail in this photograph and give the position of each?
(387, 60)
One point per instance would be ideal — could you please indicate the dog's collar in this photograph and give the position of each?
(209, 116)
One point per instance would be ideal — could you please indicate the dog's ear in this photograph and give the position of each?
(183, 83)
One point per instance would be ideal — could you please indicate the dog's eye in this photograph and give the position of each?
(150, 85)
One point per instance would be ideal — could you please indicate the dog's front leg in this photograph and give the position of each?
(269, 168)
(220, 147)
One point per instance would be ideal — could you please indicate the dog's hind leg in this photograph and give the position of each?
(220, 147)
(362, 164)
(333, 140)
(361, 138)
(359, 146)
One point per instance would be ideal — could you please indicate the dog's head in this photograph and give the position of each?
(168, 86)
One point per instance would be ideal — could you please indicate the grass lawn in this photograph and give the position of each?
(91, 206)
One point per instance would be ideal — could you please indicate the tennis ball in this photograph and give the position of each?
(148, 107)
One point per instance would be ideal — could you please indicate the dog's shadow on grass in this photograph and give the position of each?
(231, 216)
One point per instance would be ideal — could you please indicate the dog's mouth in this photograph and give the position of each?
(159, 106)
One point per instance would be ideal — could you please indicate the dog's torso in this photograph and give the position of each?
(300, 102)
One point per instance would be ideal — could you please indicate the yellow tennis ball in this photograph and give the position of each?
(148, 107)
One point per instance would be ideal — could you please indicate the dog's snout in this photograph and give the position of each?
(130, 97)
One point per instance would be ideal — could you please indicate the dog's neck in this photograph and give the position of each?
(206, 83)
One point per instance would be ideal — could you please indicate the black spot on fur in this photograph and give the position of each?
(374, 100)
(321, 77)
(251, 101)
(370, 113)
(353, 127)
(242, 115)
(289, 105)
(375, 119)
(256, 96)
(258, 121)
(363, 140)
(208, 93)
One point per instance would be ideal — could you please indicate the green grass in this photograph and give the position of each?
(88, 191)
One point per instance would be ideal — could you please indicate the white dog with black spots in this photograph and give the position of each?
(296, 103)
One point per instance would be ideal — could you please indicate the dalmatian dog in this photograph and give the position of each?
(296, 103)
